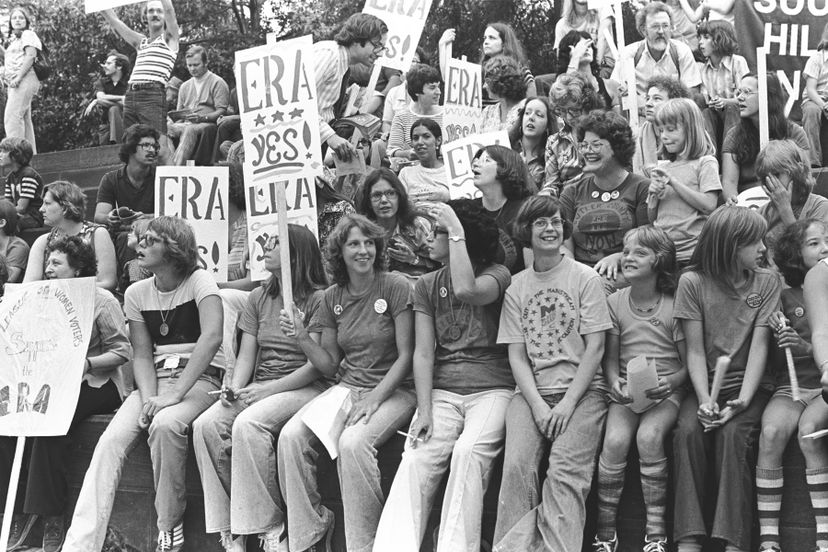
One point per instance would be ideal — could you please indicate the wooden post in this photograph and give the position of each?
(10, 497)
(284, 249)
(761, 73)
(626, 70)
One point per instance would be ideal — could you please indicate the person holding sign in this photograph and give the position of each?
(800, 248)
(426, 182)
(723, 300)
(272, 380)
(46, 492)
(553, 320)
(175, 326)
(463, 384)
(145, 100)
(368, 338)
(423, 86)
(505, 85)
(642, 326)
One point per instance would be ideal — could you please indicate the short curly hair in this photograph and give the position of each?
(674, 87)
(787, 253)
(362, 28)
(574, 90)
(338, 237)
(79, 254)
(180, 241)
(418, 76)
(132, 137)
(481, 235)
(512, 172)
(644, 13)
(612, 127)
(19, 149)
(504, 78)
(532, 209)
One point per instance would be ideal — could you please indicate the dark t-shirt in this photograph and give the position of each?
(807, 373)
(118, 191)
(104, 84)
(27, 184)
(747, 169)
(509, 251)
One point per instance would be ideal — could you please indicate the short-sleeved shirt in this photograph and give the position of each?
(509, 251)
(550, 312)
(467, 358)
(104, 84)
(728, 318)
(564, 163)
(491, 117)
(598, 226)
(365, 326)
(654, 335)
(815, 206)
(807, 373)
(816, 68)
(679, 219)
(26, 183)
(178, 309)
(425, 184)
(279, 355)
(747, 168)
(117, 190)
(16, 252)
(400, 136)
(16, 51)
(647, 67)
(108, 335)
(722, 81)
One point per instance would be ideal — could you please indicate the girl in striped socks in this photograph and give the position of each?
(642, 324)
(800, 247)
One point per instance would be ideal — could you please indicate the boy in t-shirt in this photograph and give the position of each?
(24, 187)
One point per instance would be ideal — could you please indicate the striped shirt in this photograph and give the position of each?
(25, 184)
(154, 62)
(330, 63)
(400, 137)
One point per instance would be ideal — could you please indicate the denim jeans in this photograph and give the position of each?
(168, 440)
(812, 117)
(555, 520)
(18, 114)
(468, 431)
(359, 475)
(195, 141)
(727, 456)
(147, 106)
(241, 490)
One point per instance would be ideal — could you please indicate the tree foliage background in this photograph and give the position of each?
(80, 42)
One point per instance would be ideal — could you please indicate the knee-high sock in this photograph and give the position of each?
(654, 487)
(769, 500)
(818, 489)
(610, 486)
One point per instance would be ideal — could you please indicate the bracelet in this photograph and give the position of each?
(457, 238)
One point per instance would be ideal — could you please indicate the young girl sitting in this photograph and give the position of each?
(723, 301)
(685, 189)
(642, 325)
(800, 247)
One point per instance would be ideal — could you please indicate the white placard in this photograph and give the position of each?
(326, 416)
(641, 376)
(761, 72)
(458, 157)
(199, 195)
(44, 337)
(463, 109)
(91, 6)
(405, 20)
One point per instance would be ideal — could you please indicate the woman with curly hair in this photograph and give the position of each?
(741, 145)
(577, 54)
(503, 180)
(367, 339)
(570, 97)
(529, 134)
(609, 200)
(506, 86)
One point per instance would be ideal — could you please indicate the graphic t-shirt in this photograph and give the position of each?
(467, 358)
(550, 312)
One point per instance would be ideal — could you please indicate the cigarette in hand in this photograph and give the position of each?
(409, 436)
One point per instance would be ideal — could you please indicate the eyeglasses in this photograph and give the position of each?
(572, 111)
(148, 240)
(593, 147)
(378, 48)
(542, 223)
(746, 92)
(150, 146)
(271, 243)
(662, 27)
(437, 230)
(376, 197)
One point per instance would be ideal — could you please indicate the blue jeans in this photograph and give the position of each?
(555, 520)
(359, 475)
(18, 114)
(147, 106)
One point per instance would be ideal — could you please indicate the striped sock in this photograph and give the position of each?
(690, 544)
(654, 487)
(731, 548)
(818, 489)
(769, 498)
(610, 486)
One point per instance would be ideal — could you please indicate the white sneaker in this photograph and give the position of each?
(233, 545)
(605, 546)
(658, 545)
(273, 541)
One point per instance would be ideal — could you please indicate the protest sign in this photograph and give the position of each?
(405, 20)
(280, 128)
(44, 336)
(462, 113)
(199, 195)
(458, 157)
(91, 6)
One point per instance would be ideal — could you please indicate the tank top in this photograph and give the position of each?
(154, 62)
(87, 234)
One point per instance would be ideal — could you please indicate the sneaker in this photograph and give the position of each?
(21, 526)
(605, 546)
(54, 532)
(171, 541)
(769, 548)
(231, 544)
(274, 540)
(656, 545)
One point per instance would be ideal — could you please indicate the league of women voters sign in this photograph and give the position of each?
(44, 336)
(280, 129)
(198, 195)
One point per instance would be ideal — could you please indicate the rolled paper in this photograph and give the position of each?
(791, 370)
(722, 366)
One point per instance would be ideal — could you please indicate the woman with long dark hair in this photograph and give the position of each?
(426, 182)
(577, 54)
(529, 135)
(21, 81)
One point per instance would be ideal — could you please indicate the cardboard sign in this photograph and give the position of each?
(326, 416)
(44, 336)
(91, 6)
(199, 195)
(458, 157)
(280, 126)
(641, 376)
(463, 109)
(405, 20)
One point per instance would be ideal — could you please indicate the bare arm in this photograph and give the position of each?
(696, 359)
(171, 24)
(133, 38)
(107, 261)
(730, 176)
(423, 374)
(34, 268)
(816, 303)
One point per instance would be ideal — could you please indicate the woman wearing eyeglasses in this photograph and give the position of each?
(384, 200)
(175, 326)
(63, 209)
(273, 378)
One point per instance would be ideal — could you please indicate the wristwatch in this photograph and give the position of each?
(457, 238)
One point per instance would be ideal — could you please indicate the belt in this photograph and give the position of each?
(144, 85)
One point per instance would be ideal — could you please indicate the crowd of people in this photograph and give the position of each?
(522, 323)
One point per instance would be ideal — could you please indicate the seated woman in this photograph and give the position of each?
(64, 206)
(367, 337)
(45, 491)
(4, 276)
(272, 380)
(423, 86)
(529, 134)
(384, 200)
(659, 90)
(507, 87)
(463, 384)
(13, 248)
(577, 54)
(426, 182)
(175, 326)
(741, 145)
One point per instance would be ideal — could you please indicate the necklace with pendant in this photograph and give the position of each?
(454, 332)
(645, 310)
(164, 328)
